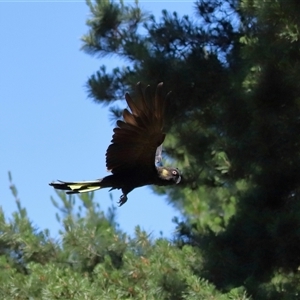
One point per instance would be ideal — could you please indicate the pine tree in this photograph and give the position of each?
(233, 128)
(95, 259)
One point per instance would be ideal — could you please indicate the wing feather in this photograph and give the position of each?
(136, 139)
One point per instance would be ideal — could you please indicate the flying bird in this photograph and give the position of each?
(134, 155)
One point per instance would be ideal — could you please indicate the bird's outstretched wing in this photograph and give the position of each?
(136, 139)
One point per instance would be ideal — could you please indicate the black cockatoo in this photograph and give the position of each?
(134, 155)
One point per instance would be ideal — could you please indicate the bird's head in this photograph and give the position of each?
(169, 175)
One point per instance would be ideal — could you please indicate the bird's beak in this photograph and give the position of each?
(178, 180)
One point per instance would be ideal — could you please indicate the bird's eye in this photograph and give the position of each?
(174, 172)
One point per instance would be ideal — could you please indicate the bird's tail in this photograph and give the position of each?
(77, 186)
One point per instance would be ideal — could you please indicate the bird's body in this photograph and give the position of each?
(135, 144)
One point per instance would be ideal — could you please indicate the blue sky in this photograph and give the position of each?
(49, 129)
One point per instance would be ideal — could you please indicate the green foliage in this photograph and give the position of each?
(95, 260)
(232, 124)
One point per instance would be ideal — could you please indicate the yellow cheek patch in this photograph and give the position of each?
(165, 172)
